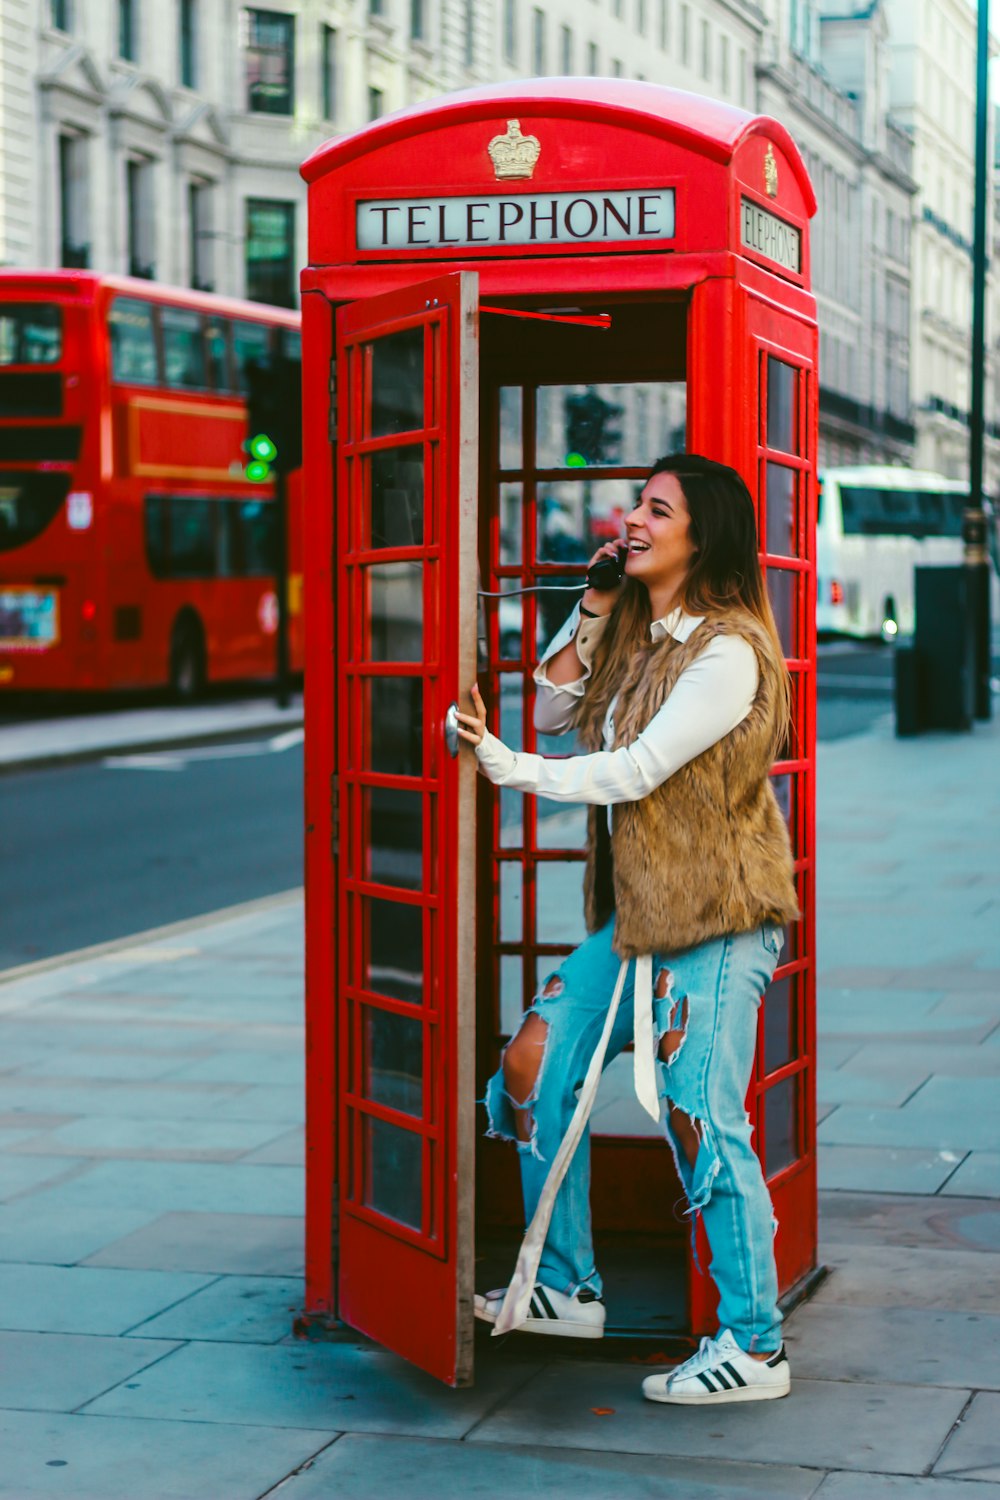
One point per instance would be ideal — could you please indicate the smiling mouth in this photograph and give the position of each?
(635, 547)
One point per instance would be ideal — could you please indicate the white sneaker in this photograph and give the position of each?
(721, 1371)
(552, 1312)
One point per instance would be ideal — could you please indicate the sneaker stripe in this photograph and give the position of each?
(544, 1302)
(734, 1373)
(707, 1382)
(780, 1358)
(718, 1375)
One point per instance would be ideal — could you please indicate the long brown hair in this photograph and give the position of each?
(725, 577)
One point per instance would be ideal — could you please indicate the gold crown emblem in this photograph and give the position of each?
(770, 172)
(514, 154)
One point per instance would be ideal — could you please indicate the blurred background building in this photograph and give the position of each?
(162, 138)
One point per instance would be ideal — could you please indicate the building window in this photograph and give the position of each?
(127, 30)
(664, 24)
(616, 67)
(376, 103)
(270, 252)
(618, 8)
(270, 54)
(538, 41)
(61, 15)
(640, 17)
(565, 50)
(202, 236)
(418, 20)
(141, 209)
(470, 33)
(510, 31)
(74, 248)
(376, 7)
(706, 50)
(328, 63)
(686, 35)
(188, 59)
(592, 59)
(724, 64)
(745, 85)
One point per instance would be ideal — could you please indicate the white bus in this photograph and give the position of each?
(874, 526)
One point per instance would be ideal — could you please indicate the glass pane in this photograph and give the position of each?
(395, 611)
(183, 348)
(393, 1171)
(510, 717)
(781, 584)
(395, 725)
(510, 427)
(511, 993)
(559, 896)
(781, 425)
(779, 1039)
(562, 827)
(31, 332)
(395, 848)
(510, 615)
(394, 960)
(133, 342)
(780, 510)
(510, 903)
(398, 382)
(511, 503)
(393, 1060)
(780, 1124)
(580, 426)
(511, 818)
(397, 498)
(784, 791)
(576, 516)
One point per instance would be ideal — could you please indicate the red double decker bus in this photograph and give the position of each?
(134, 552)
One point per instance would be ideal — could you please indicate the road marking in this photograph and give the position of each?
(177, 760)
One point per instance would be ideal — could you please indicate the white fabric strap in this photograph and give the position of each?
(522, 1283)
(643, 1061)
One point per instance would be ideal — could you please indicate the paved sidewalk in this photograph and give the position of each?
(78, 737)
(151, 1194)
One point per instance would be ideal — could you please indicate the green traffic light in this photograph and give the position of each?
(575, 461)
(261, 447)
(258, 471)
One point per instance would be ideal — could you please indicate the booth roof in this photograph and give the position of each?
(706, 125)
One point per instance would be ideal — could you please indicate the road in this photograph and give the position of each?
(98, 851)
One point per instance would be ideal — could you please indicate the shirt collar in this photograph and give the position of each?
(677, 623)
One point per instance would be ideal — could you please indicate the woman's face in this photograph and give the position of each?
(660, 548)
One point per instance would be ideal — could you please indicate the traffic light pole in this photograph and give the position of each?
(282, 686)
(977, 560)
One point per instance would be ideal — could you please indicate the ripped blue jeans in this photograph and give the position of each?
(707, 998)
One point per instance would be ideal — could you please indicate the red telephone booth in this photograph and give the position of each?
(516, 299)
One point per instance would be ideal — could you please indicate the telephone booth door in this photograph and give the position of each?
(406, 437)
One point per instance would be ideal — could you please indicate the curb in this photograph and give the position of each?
(49, 759)
(151, 935)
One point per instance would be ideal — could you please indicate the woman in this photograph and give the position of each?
(676, 684)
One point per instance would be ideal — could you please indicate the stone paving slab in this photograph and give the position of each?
(193, 1187)
(978, 1176)
(33, 1229)
(883, 1059)
(60, 1371)
(49, 1456)
(844, 1086)
(153, 1101)
(224, 1244)
(309, 1385)
(74, 1299)
(370, 1468)
(898, 1345)
(934, 1223)
(119, 1065)
(233, 1309)
(235, 1066)
(900, 1487)
(20, 1174)
(968, 1129)
(823, 1424)
(973, 1451)
(208, 1139)
(286, 1150)
(881, 1169)
(902, 1276)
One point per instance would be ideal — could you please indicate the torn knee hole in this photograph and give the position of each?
(687, 1132)
(553, 987)
(673, 1037)
(522, 1066)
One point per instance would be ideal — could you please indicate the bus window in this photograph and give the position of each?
(251, 342)
(191, 551)
(291, 345)
(155, 508)
(28, 504)
(183, 348)
(259, 537)
(133, 342)
(217, 354)
(30, 333)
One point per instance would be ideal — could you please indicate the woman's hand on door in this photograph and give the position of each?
(476, 722)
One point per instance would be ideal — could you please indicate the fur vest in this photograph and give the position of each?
(707, 853)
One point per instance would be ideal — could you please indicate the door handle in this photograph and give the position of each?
(451, 729)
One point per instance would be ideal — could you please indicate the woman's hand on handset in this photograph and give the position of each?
(602, 601)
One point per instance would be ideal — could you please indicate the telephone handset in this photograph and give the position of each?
(607, 572)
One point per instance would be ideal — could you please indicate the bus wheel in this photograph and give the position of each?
(187, 659)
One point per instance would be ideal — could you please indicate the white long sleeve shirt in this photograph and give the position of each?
(710, 697)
